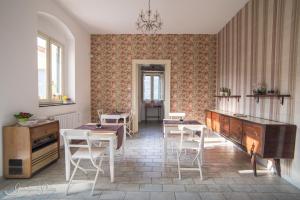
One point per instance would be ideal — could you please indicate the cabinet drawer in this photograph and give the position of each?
(224, 121)
(253, 145)
(208, 119)
(253, 130)
(45, 150)
(44, 160)
(215, 122)
(253, 137)
(236, 130)
(41, 131)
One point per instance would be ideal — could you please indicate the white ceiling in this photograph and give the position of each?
(178, 16)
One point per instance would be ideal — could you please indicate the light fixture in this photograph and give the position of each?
(148, 22)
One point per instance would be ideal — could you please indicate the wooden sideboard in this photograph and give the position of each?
(259, 137)
(29, 149)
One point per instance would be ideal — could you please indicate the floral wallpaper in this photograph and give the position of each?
(193, 70)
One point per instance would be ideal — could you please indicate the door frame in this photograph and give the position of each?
(135, 82)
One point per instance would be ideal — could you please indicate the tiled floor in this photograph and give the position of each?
(142, 175)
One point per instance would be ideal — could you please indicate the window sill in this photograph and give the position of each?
(49, 104)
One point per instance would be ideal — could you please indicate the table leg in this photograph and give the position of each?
(165, 144)
(277, 165)
(146, 113)
(253, 161)
(158, 111)
(111, 160)
(67, 164)
(124, 139)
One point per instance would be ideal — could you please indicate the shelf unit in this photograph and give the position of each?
(229, 97)
(279, 96)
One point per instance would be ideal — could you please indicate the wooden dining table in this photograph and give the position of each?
(111, 133)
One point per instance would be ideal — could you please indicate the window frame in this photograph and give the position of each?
(161, 85)
(49, 41)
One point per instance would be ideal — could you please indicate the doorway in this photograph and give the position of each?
(151, 92)
(154, 78)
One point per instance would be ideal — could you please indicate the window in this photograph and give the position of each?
(153, 86)
(50, 70)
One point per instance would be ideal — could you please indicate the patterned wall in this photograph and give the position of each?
(261, 45)
(193, 70)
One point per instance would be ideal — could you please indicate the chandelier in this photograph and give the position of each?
(148, 22)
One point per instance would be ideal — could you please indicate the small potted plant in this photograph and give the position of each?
(228, 91)
(225, 91)
(273, 92)
(23, 117)
(222, 91)
(260, 89)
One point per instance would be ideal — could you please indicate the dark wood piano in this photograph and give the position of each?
(259, 137)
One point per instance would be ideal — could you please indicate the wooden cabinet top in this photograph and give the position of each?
(34, 125)
(250, 118)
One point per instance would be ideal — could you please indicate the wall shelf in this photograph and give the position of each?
(229, 97)
(279, 96)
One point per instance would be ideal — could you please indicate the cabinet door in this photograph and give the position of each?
(208, 120)
(215, 122)
(252, 140)
(44, 130)
(236, 130)
(224, 123)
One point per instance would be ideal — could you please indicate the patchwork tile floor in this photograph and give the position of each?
(143, 176)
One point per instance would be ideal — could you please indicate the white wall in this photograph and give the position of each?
(18, 61)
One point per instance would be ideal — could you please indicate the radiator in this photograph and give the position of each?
(68, 120)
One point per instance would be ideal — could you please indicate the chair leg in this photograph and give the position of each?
(100, 164)
(96, 177)
(201, 158)
(198, 153)
(83, 170)
(100, 144)
(131, 132)
(128, 132)
(200, 168)
(72, 176)
(178, 163)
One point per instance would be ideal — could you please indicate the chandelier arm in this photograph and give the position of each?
(144, 20)
(148, 21)
(155, 22)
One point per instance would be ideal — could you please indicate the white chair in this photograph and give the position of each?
(100, 112)
(110, 119)
(194, 143)
(84, 151)
(129, 130)
(175, 116)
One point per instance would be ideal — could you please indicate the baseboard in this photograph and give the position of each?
(292, 181)
(289, 179)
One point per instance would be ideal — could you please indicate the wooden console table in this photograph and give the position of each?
(259, 137)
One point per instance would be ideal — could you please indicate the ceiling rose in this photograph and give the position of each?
(148, 22)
